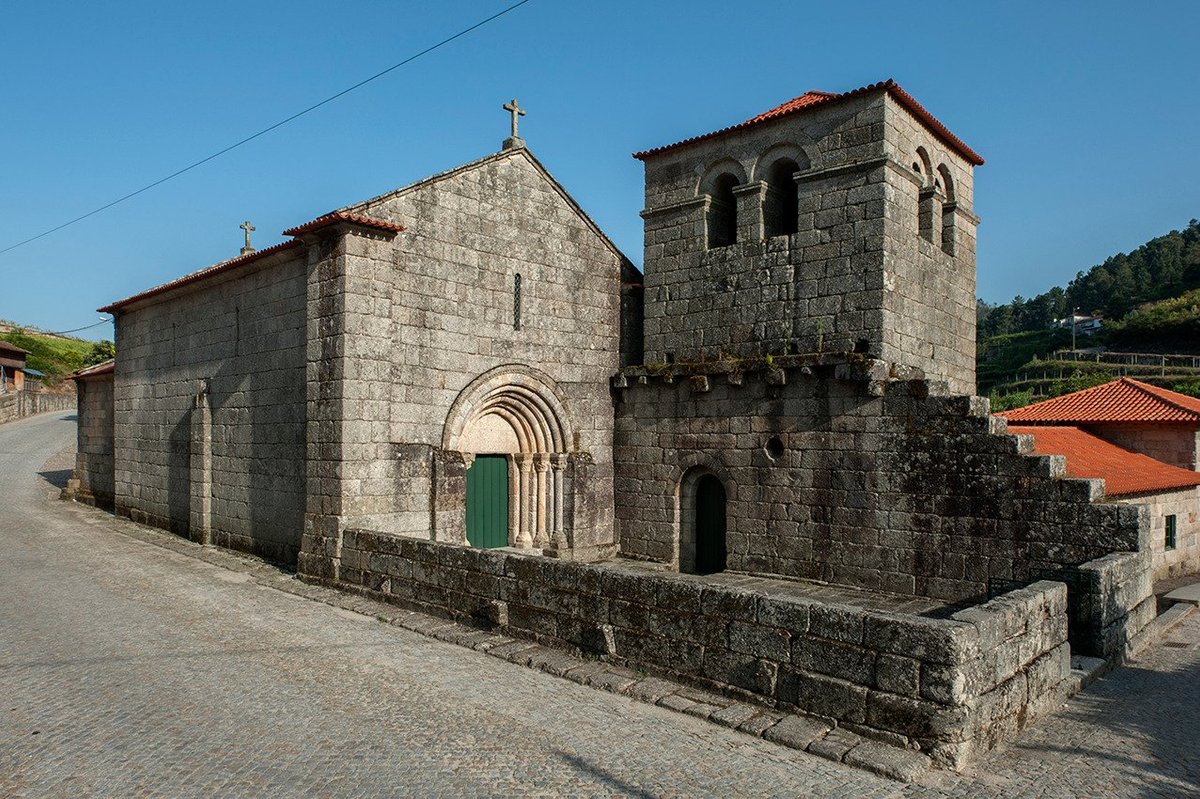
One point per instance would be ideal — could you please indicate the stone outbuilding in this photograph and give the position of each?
(1171, 493)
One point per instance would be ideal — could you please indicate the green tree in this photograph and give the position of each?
(100, 352)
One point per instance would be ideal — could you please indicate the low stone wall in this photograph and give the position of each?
(18, 404)
(1112, 604)
(950, 687)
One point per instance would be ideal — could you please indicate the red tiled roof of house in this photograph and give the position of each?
(815, 99)
(1124, 472)
(1124, 400)
(102, 368)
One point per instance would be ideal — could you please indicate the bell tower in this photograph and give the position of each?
(831, 223)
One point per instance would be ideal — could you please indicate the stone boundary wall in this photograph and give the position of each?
(1113, 603)
(19, 404)
(951, 687)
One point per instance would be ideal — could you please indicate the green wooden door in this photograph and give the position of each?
(710, 525)
(487, 501)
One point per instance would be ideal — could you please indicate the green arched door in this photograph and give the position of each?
(487, 501)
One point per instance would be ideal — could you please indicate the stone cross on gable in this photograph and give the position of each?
(246, 226)
(514, 140)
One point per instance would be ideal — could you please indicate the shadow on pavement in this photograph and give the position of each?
(56, 477)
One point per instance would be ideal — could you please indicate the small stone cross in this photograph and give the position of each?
(516, 111)
(246, 226)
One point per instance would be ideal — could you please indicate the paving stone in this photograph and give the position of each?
(796, 731)
(585, 671)
(651, 689)
(613, 678)
(552, 661)
(735, 715)
(835, 744)
(675, 702)
(889, 761)
(758, 725)
(701, 710)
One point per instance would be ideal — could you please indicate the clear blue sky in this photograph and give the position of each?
(1087, 114)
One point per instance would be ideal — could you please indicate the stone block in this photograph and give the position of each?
(822, 695)
(796, 732)
(898, 675)
(770, 643)
(836, 623)
(888, 761)
(835, 744)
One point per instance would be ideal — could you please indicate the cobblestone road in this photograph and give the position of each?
(134, 669)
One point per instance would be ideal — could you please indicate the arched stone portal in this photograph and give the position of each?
(516, 412)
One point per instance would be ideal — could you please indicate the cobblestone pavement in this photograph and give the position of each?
(135, 664)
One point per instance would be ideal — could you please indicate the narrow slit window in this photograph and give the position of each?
(1169, 538)
(517, 302)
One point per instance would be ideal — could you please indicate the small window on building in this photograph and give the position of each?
(722, 213)
(1169, 538)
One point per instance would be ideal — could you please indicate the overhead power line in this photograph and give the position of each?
(268, 129)
(77, 329)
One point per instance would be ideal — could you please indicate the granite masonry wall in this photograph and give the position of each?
(92, 481)
(1178, 445)
(498, 284)
(1184, 557)
(19, 404)
(861, 273)
(209, 409)
(872, 484)
(949, 686)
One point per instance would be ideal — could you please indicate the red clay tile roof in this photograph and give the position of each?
(815, 99)
(1124, 472)
(335, 217)
(102, 368)
(203, 274)
(1124, 400)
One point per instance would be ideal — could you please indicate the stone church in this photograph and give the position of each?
(460, 396)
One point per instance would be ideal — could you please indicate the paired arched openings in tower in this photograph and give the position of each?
(722, 212)
(781, 203)
(936, 202)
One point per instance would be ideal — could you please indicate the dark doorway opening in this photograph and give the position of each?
(710, 525)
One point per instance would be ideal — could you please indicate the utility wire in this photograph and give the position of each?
(77, 329)
(266, 130)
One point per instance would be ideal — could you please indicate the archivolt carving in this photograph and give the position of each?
(540, 482)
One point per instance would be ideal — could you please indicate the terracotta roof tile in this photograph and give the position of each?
(4, 345)
(1124, 400)
(102, 368)
(1124, 472)
(203, 274)
(815, 99)
(320, 222)
(336, 217)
